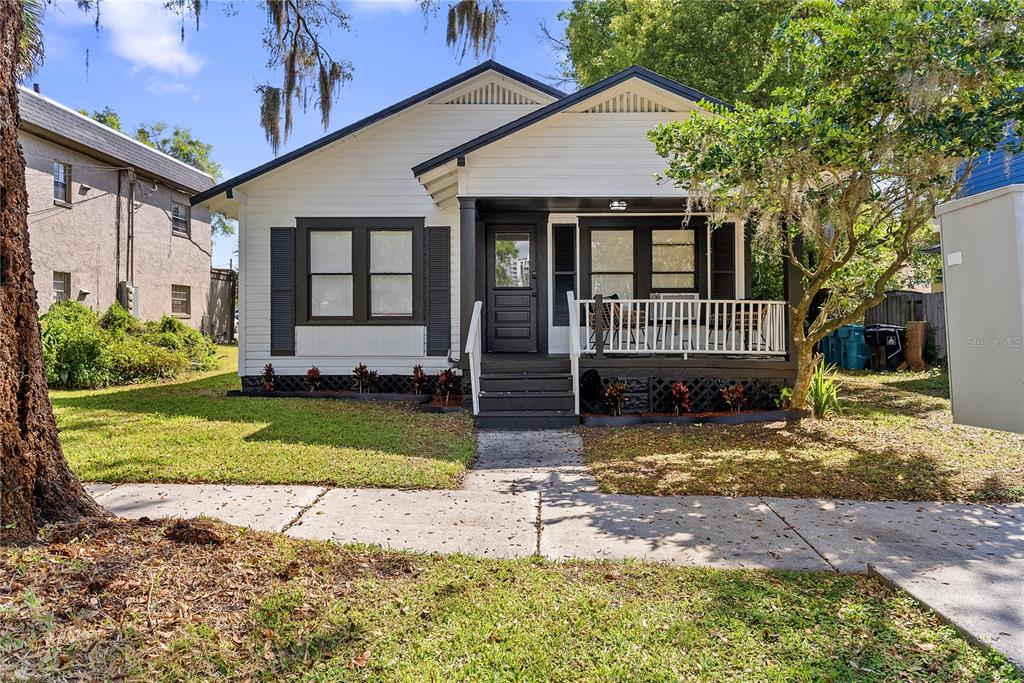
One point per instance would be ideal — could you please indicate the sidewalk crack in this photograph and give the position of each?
(799, 535)
(540, 526)
(298, 515)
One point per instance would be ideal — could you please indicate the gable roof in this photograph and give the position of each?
(54, 121)
(489, 65)
(561, 105)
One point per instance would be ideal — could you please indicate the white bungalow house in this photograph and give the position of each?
(495, 224)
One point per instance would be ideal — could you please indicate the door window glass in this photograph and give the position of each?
(512, 259)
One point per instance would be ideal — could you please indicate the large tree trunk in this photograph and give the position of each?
(36, 485)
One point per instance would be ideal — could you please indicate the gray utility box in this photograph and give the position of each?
(983, 279)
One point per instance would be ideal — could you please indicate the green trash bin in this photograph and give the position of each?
(853, 349)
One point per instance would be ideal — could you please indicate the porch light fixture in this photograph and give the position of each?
(617, 205)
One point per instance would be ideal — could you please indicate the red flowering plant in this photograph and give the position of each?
(681, 398)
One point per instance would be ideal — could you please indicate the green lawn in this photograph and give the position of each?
(191, 431)
(895, 441)
(123, 600)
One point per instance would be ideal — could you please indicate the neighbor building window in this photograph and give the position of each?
(673, 260)
(181, 300)
(330, 273)
(611, 263)
(61, 286)
(180, 218)
(390, 273)
(61, 182)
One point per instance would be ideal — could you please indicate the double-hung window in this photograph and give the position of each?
(390, 273)
(61, 286)
(61, 182)
(673, 260)
(360, 271)
(330, 274)
(611, 263)
(181, 300)
(180, 219)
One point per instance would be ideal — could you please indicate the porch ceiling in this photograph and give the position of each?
(582, 204)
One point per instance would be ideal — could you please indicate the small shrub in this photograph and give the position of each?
(84, 351)
(313, 379)
(823, 395)
(171, 333)
(419, 380)
(133, 360)
(614, 396)
(75, 347)
(681, 398)
(119, 321)
(267, 379)
(447, 385)
(785, 399)
(365, 378)
(735, 397)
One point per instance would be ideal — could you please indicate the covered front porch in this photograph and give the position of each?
(632, 288)
(645, 278)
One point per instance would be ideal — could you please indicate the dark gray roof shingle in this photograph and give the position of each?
(52, 120)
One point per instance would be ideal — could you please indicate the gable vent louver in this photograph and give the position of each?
(628, 103)
(492, 93)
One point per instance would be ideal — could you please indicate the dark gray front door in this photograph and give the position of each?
(511, 289)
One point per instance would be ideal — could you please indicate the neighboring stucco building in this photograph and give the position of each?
(81, 177)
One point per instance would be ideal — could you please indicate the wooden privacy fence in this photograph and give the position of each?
(221, 315)
(899, 308)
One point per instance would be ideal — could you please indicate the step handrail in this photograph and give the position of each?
(574, 348)
(473, 350)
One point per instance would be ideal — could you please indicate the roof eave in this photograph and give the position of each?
(396, 108)
(561, 105)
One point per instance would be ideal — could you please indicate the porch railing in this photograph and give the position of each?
(679, 326)
(574, 348)
(473, 350)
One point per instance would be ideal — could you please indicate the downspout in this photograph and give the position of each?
(117, 232)
(129, 273)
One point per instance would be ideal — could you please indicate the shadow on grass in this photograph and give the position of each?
(390, 427)
(808, 461)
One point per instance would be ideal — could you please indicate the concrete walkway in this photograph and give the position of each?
(530, 493)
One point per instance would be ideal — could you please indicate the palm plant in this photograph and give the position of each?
(823, 395)
(30, 46)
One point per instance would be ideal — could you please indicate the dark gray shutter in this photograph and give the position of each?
(282, 292)
(564, 249)
(723, 262)
(438, 291)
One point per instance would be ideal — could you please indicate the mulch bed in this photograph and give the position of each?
(743, 417)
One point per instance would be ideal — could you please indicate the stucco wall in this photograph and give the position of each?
(83, 239)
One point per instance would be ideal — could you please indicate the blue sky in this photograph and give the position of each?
(138, 65)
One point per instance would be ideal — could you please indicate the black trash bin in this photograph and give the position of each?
(887, 344)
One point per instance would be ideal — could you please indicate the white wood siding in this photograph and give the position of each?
(574, 155)
(365, 175)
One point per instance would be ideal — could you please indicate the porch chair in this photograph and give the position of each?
(739, 322)
(631, 319)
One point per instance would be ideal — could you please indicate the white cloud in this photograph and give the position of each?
(146, 34)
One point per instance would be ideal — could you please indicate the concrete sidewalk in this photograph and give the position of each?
(530, 493)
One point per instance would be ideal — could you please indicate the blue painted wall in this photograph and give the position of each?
(992, 171)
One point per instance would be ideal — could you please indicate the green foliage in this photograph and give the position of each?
(120, 321)
(785, 399)
(823, 396)
(676, 39)
(887, 99)
(178, 142)
(108, 117)
(82, 350)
